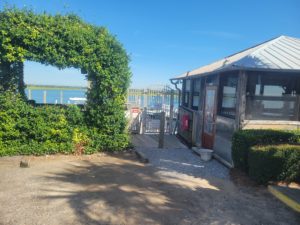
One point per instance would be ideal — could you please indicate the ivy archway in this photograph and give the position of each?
(66, 41)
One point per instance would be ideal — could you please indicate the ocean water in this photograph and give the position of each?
(54, 96)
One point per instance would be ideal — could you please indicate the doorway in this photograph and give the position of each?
(209, 118)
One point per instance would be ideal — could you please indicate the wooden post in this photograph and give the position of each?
(45, 97)
(144, 117)
(195, 127)
(29, 94)
(145, 99)
(61, 97)
(191, 94)
(297, 108)
(162, 130)
(139, 123)
(171, 112)
(241, 100)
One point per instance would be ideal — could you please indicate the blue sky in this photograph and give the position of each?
(166, 38)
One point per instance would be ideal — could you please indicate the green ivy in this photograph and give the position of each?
(64, 41)
(29, 130)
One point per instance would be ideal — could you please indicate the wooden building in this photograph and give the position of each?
(256, 88)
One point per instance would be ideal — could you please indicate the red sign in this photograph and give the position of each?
(135, 110)
(185, 122)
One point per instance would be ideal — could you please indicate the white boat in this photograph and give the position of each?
(77, 100)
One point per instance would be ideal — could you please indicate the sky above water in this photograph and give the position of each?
(166, 38)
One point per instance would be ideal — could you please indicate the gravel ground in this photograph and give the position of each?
(184, 161)
(117, 189)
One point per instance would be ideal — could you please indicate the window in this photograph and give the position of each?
(272, 96)
(212, 80)
(186, 93)
(228, 89)
(196, 93)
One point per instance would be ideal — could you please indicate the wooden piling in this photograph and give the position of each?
(61, 97)
(29, 94)
(45, 97)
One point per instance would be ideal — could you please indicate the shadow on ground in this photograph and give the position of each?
(123, 191)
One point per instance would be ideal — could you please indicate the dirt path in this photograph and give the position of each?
(116, 189)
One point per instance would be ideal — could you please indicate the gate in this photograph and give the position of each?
(150, 103)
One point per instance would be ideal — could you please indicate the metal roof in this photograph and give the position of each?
(281, 53)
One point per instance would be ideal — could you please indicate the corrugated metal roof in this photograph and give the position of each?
(281, 53)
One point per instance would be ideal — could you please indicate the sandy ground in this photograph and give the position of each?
(117, 189)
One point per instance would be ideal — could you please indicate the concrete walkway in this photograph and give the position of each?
(151, 141)
(176, 157)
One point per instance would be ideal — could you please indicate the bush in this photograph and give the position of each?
(26, 130)
(74, 115)
(104, 142)
(29, 130)
(274, 163)
(243, 140)
(67, 41)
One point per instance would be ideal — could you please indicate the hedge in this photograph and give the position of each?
(64, 41)
(29, 130)
(274, 163)
(243, 140)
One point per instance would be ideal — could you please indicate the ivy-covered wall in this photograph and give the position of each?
(66, 41)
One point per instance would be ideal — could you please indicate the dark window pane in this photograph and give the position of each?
(186, 92)
(228, 88)
(272, 96)
(196, 93)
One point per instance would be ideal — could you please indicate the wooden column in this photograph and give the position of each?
(241, 100)
(144, 117)
(191, 94)
(297, 108)
(171, 112)
(162, 130)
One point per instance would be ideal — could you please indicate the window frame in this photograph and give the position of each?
(186, 94)
(224, 80)
(258, 89)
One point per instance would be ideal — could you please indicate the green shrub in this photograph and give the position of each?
(29, 130)
(243, 140)
(274, 163)
(26, 130)
(104, 142)
(67, 41)
(74, 115)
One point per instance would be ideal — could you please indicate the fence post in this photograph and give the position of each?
(144, 117)
(171, 115)
(139, 125)
(61, 97)
(162, 130)
(145, 98)
(45, 97)
(29, 94)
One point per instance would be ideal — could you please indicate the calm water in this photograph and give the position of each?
(53, 97)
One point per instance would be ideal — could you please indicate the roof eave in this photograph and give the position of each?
(235, 68)
(226, 69)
